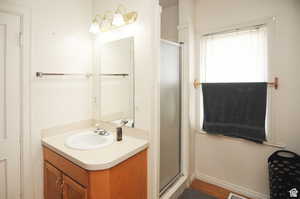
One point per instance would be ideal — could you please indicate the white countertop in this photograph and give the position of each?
(96, 159)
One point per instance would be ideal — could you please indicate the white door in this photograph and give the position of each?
(10, 107)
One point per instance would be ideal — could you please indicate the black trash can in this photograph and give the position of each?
(284, 175)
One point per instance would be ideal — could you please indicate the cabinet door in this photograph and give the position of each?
(52, 182)
(73, 190)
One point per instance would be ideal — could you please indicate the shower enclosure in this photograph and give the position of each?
(170, 114)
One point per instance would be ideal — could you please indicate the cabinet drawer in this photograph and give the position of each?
(72, 170)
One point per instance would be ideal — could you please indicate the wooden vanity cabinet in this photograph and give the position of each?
(65, 180)
(59, 186)
(52, 182)
(72, 190)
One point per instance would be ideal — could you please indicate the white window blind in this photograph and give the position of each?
(239, 55)
(235, 56)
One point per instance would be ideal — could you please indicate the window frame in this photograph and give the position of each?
(270, 24)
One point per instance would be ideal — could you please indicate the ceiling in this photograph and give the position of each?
(167, 3)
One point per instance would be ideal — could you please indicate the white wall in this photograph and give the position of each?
(145, 32)
(60, 42)
(235, 162)
(169, 23)
(142, 31)
(186, 34)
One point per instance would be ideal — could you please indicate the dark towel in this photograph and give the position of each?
(235, 109)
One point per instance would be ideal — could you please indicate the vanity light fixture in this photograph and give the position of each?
(118, 20)
(112, 20)
(94, 28)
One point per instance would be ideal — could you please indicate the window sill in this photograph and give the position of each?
(270, 144)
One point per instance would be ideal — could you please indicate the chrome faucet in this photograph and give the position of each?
(100, 131)
(124, 122)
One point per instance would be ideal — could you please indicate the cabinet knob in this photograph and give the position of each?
(57, 183)
(62, 186)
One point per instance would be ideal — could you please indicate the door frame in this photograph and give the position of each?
(186, 64)
(27, 189)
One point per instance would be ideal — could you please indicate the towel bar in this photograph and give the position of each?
(87, 75)
(274, 84)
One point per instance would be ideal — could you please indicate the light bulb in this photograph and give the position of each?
(105, 25)
(94, 28)
(118, 20)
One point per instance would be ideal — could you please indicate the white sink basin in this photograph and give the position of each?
(88, 140)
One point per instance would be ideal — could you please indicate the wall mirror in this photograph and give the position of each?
(115, 86)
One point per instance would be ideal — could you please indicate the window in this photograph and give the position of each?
(239, 55)
(236, 56)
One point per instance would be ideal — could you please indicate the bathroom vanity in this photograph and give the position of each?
(117, 171)
(90, 164)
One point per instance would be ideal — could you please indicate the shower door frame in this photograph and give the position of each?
(182, 167)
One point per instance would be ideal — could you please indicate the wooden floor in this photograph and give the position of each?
(210, 189)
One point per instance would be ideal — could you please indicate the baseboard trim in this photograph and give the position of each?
(191, 178)
(232, 187)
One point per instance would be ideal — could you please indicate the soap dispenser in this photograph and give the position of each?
(119, 134)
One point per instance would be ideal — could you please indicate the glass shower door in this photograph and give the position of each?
(170, 114)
